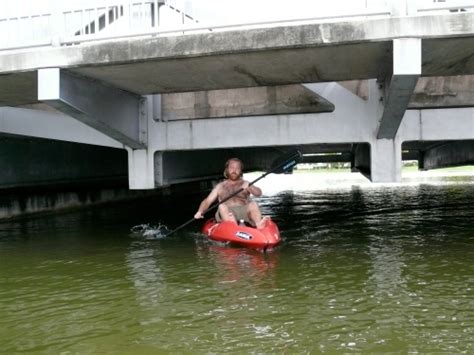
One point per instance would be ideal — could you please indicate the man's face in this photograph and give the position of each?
(234, 170)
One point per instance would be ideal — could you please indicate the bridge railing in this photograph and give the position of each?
(436, 6)
(95, 19)
(109, 19)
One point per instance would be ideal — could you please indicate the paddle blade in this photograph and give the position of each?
(286, 162)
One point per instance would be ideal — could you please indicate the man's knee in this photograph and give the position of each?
(252, 206)
(253, 211)
(225, 213)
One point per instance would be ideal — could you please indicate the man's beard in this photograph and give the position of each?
(234, 176)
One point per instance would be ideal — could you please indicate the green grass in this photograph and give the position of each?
(460, 169)
(465, 168)
(322, 170)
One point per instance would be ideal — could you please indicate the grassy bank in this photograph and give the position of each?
(457, 169)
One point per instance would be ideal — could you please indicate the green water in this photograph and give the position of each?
(361, 269)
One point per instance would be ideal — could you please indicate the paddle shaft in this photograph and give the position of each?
(285, 165)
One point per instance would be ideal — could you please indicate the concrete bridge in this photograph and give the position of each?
(163, 106)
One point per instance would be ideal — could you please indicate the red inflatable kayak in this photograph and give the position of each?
(242, 235)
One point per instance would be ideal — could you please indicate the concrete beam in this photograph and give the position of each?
(43, 124)
(437, 125)
(111, 111)
(430, 92)
(353, 120)
(406, 71)
(357, 87)
(448, 154)
(256, 101)
(443, 91)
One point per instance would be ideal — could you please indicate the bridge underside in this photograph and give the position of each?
(40, 163)
(333, 122)
(371, 93)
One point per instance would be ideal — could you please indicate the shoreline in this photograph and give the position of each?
(320, 180)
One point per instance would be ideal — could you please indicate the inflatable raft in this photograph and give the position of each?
(243, 235)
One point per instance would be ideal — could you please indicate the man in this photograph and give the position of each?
(239, 207)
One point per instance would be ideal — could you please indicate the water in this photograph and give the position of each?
(361, 269)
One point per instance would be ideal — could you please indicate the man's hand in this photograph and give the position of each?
(251, 189)
(198, 215)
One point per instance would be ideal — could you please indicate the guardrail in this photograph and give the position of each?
(193, 29)
(131, 18)
(452, 6)
(111, 18)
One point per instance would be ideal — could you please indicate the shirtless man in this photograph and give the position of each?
(239, 207)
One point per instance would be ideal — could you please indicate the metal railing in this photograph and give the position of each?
(194, 29)
(109, 19)
(29, 30)
(73, 25)
(446, 5)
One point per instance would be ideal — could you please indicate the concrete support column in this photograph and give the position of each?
(386, 160)
(406, 70)
(141, 169)
(159, 170)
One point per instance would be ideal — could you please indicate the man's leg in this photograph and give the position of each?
(226, 214)
(255, 215)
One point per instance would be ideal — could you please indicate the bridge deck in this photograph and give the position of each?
(306, 53)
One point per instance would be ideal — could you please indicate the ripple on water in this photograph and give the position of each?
(360, 270)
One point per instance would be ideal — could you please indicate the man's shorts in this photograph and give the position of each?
(239, 212)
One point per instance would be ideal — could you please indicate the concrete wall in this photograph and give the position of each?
(28, 202)
(36, 162)
(448, 154)
(42, 175)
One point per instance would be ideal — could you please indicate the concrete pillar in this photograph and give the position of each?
(158, 173)
(141, 173)
(406, 70)
(386, 160)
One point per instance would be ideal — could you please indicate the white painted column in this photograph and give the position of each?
(145, 166)
(386, 160)
(141, 172)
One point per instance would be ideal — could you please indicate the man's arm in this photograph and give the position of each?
(207, 202)
(254, 190)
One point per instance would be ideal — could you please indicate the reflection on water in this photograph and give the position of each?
(384, 268)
